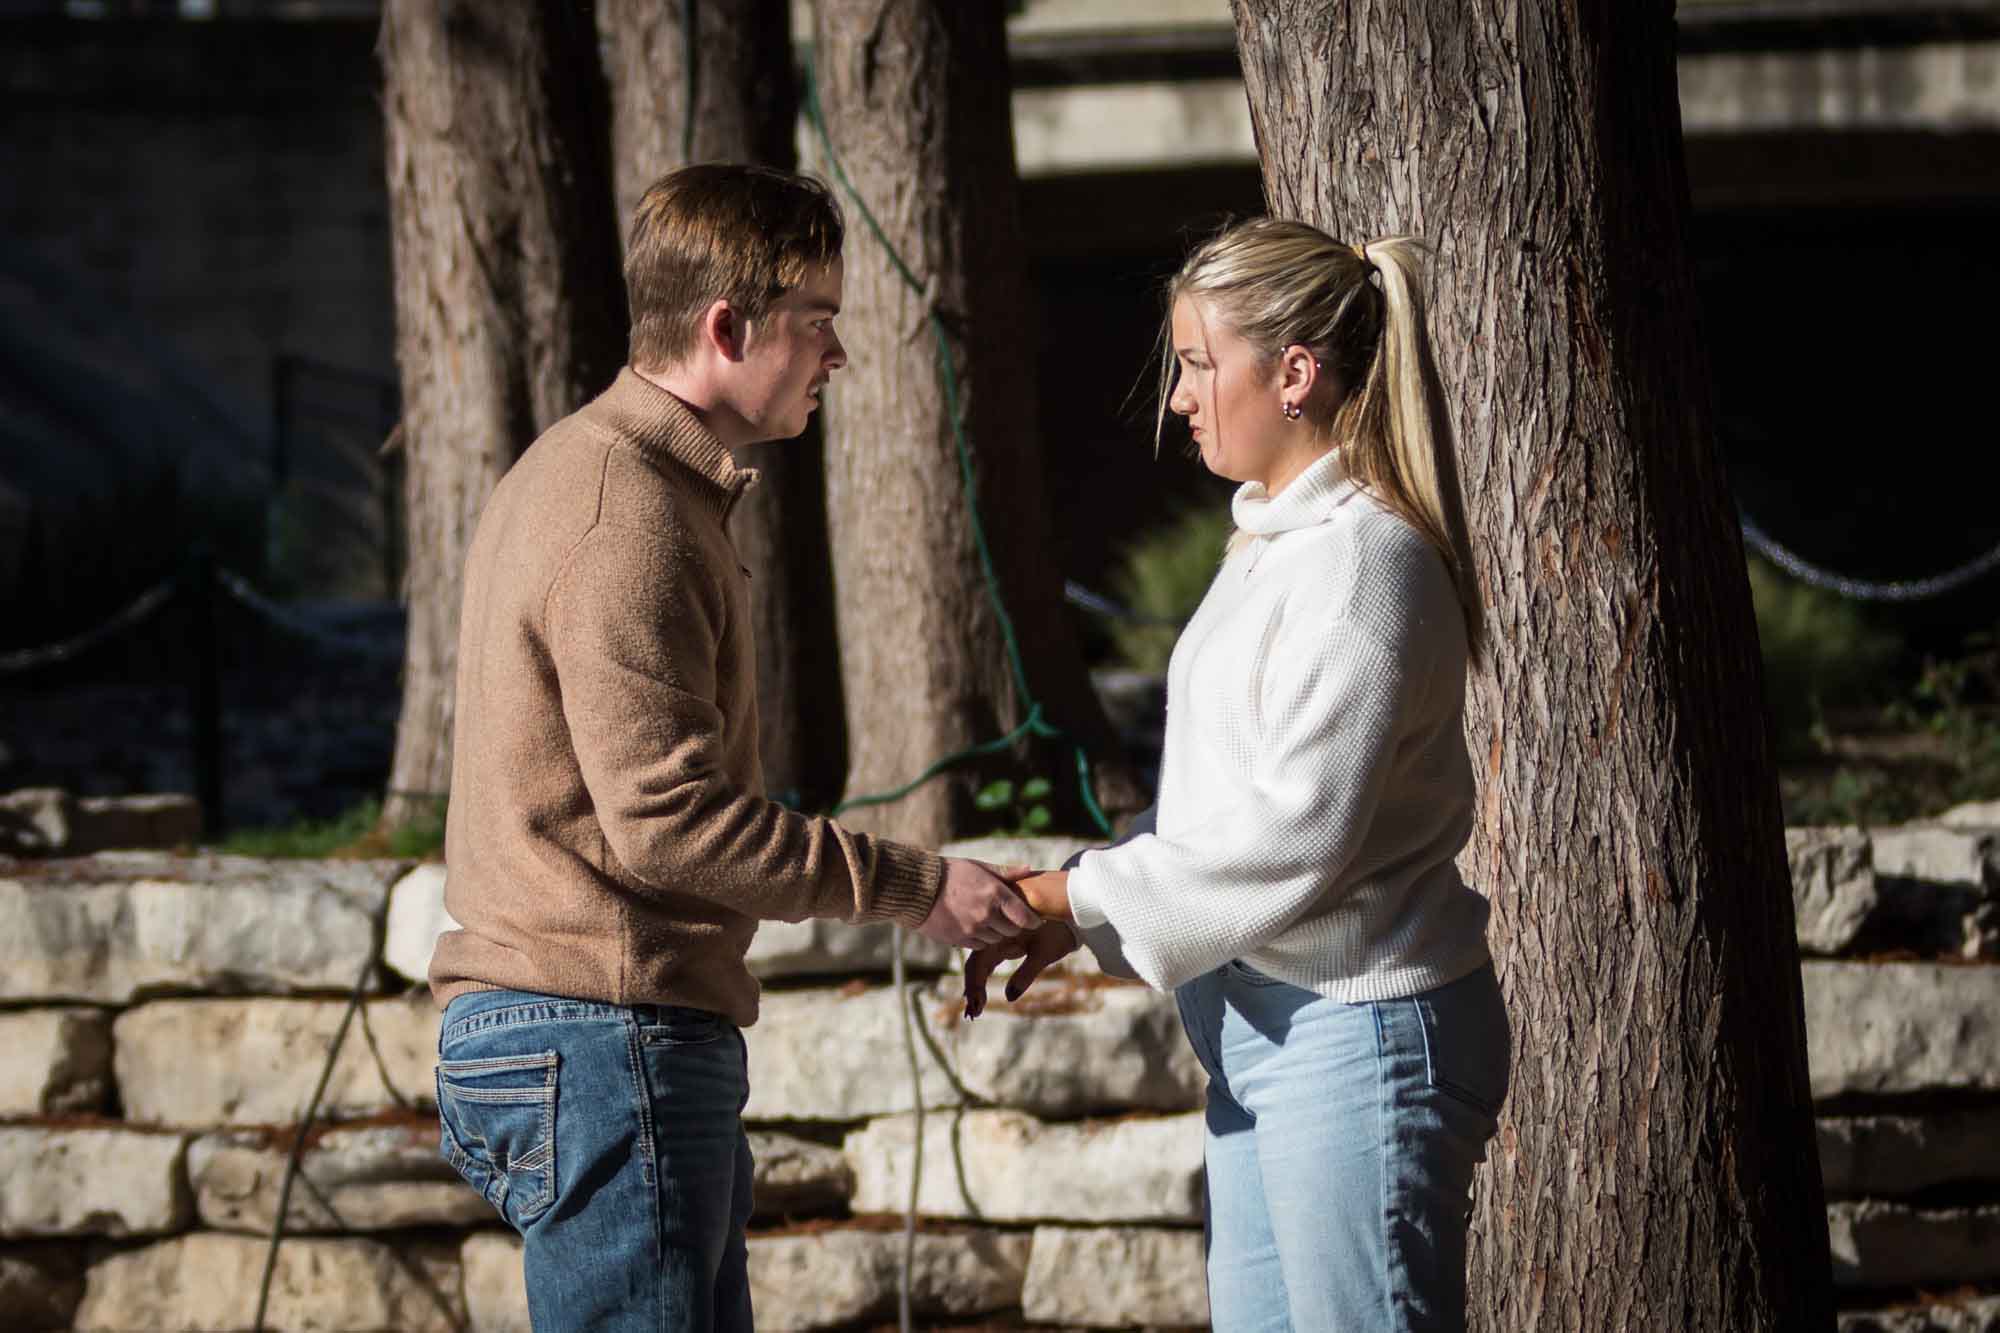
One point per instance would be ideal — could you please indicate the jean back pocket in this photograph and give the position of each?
(497, 1118)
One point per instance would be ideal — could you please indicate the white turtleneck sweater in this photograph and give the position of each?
(1314, 788)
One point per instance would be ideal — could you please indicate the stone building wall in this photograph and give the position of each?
(214, 189)
(208, 196)
(164, 1020)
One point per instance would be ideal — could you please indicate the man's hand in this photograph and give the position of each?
(977, 906)
(1045, 946)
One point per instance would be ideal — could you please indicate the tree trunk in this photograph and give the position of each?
(745, 105)
(1656, 1165)
(745, 110)
(510, 312)
(915, 100)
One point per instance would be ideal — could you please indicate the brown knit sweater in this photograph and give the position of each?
(608, 838)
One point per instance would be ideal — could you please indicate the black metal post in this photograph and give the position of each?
(281, 420)
(281, 454)
(204, 686)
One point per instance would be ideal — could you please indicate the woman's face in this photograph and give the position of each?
(1229, 395)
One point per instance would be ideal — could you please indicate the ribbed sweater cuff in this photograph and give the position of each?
(907, 882)
(1083, 908)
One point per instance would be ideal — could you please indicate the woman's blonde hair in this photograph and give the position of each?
(1277, 284)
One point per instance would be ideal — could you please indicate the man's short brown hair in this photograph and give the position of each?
(721, 231)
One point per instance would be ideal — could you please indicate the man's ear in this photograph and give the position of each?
(724, 330)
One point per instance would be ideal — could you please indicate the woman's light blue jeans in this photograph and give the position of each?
(610, 1136)
(1341, 1145)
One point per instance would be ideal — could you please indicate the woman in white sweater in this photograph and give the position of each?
(1297, 888)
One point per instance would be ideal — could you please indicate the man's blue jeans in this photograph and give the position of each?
(1341, 1145)
(611, 1138)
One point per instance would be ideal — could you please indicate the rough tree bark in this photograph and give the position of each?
(1656, 1164)
(510, 310)
(915, 100)
(745, 104)
(745, 110)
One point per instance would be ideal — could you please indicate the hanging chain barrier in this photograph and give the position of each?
(194, 586)
(1758, 540)
(141, 607)
(297, 625)
(1866, 590)
(1076, 594)
(1098, 604)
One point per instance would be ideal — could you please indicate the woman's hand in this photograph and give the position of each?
(1047, 893)
(1037, 950)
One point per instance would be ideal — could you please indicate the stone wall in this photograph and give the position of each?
(217, 185)
(164, 1022)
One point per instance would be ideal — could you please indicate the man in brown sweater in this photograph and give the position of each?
(609, 845)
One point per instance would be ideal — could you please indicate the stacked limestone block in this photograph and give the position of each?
(164, 1021)
(167, 1023)
(48, 821)
(1901, 932)
(167, 1018)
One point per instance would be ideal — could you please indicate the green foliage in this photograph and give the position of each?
(1023, 811)
(1819, 650)
(1850, 794)
(1164, 574)
(329, 541)
(1957, 703)
(420, 838)
(306, 839)
(353, 833)
(1933, 746)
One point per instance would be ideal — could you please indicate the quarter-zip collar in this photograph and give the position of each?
(665, 429)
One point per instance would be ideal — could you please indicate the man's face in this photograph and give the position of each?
(788, 356)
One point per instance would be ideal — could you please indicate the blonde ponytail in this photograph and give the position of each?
(1411, 464)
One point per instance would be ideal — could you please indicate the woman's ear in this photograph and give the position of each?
(1298, 371)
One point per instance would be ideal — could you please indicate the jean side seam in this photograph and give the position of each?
(649, 1155)
(1385, 1149)
(642, 1102)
